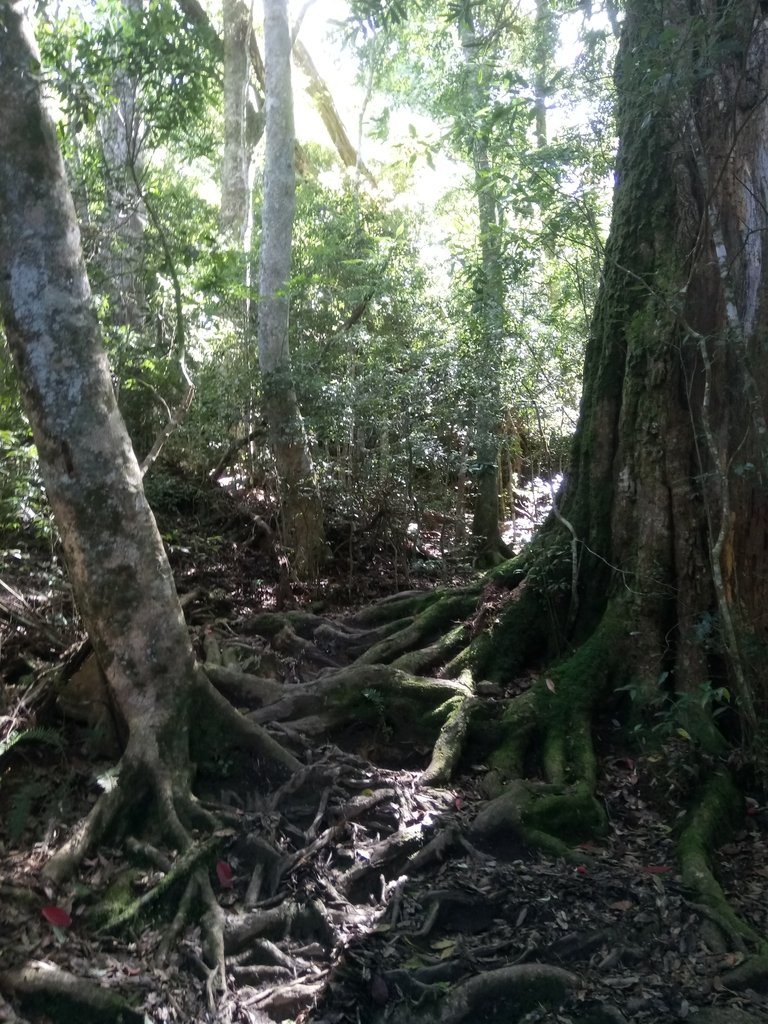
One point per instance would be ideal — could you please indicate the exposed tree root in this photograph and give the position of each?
(185, 869)
(243, 687)
(46, 987)
(708, 824)
(450, 742)
(436, 618)
(510, 992)
(528, 814)
(337, 687)
(406, 604)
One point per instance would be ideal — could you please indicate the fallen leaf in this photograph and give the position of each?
(56, 916)
(656, 869)
(550, 685)
(224, 874)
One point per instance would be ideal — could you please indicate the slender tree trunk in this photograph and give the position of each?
(114, 553)
(301, 510)
(239, 139)
(121, 135)
(545, 40)
(321, 96)
(490, 328)
(243, 126)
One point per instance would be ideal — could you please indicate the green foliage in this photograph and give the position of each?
(176, 73)
(370, 15)
(687, 716)
(22, 804)
(23, 507)
(549, 570)
(386, 295)
(36, 793)
(22, 499)
(37, 734)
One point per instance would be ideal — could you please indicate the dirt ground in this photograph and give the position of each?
(377, 899)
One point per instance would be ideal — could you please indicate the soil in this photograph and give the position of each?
(396, 901)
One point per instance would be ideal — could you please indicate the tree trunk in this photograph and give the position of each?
(667, 492)
(545, 43)
(121, 135)
(239, 138)
(115, 557)
(114, 553)
(649, 580)
(490, 312)
(301, 510)
(320, 94)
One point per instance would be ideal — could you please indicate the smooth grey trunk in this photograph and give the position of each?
(490, 333)
(239, 141)
(243, 126)
(121, 139)
(545, 31)
(115, 558)
(301, 511)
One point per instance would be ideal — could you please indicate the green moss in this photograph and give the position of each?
(708, 824)
(117, 901)
(427, 625)
(513, 734)
(396, 703)
(407, 606)
(434, 655)
(504, 650)
(572, 815)
(577, 682)
(552, 818)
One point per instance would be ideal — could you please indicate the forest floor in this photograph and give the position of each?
(395, 899)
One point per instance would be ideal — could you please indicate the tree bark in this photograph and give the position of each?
(121, 138)
(239, 137)
(114, 553)
(667, 491)
(301, 510)
(490, 310)
(321, 96)
(115, 557)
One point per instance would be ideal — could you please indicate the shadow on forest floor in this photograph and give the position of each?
(394, 898)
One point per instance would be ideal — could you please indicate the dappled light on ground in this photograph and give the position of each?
(353, 891)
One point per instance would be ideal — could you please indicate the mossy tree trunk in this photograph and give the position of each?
(667, 490)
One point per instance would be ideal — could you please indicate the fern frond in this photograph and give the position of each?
(37, 733)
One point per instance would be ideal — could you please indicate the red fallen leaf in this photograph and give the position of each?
(224, 874)
(56, 916)
(458, 803)
(656, 869)
(581, 869)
